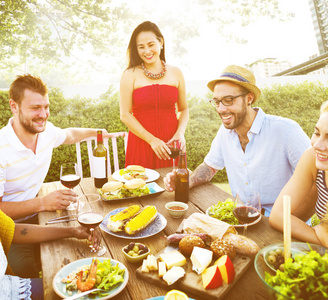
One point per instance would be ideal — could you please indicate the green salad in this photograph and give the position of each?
(108, 276)
(304, 278)
(224, 212)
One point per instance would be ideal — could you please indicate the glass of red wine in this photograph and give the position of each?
(175, 147)
(70, 177)
(247, 208)
(89, 218)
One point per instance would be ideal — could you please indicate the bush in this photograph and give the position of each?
(300, 102)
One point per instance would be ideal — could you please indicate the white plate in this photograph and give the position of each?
(154, 188)
(60, 288)
(151, 174)
(153, 228)
(240, 225)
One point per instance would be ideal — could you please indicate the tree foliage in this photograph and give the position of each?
(42, 36)
(51, 32)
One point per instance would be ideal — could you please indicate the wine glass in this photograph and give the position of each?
(89, 218)
(247, 208)
(70, 177)
(175, 147)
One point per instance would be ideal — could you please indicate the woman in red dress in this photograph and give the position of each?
(149, 92)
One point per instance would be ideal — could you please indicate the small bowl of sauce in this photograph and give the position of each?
(176, 209)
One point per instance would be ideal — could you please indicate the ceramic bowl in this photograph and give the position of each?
(174, 213)
(262, 266)
(135, 259)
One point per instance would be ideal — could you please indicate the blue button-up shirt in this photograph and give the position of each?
(275, 146)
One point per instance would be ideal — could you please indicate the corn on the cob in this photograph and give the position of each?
(116, 222)
(142, 220)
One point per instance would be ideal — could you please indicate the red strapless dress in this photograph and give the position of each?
(154, 108)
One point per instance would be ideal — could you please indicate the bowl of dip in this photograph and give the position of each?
(176, 209)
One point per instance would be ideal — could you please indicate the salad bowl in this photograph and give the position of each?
(266, 273)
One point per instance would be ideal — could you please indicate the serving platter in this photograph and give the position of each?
(153, 228)
(60, 287)
(151, 174)
(154, 189)
(192, 282)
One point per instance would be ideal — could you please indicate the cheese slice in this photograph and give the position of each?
(174, 274)
(152, 263)
(161, 268)
(200, 258)
(144, 267)
(173, 258)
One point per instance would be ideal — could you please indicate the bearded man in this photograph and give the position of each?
(26, 146)
(259, 151)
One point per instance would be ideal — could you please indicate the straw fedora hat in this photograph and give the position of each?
(240, 76)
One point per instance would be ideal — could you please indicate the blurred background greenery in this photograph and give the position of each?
(300, 102)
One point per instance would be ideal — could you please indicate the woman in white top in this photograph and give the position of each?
(311, 173)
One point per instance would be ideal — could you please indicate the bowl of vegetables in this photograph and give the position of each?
(223, 211)
(301, 277)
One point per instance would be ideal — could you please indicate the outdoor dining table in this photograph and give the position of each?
(57, 254)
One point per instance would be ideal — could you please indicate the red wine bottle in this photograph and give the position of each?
(100, 162)
(182, 179)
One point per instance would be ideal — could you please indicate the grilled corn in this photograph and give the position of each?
(142, 220)
(116, 222)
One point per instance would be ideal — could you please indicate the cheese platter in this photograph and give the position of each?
(192, 282)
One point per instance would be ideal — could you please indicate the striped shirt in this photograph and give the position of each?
(22, 171)
(320, 207)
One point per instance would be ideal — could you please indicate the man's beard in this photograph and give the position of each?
(27, 124)
(239, 118)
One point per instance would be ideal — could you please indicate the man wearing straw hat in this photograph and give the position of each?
(259, 151)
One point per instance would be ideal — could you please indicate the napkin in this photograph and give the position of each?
(201, 223)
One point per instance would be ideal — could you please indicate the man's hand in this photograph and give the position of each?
(169, 182)
(59, 199)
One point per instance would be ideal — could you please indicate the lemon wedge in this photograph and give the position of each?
(175, 295)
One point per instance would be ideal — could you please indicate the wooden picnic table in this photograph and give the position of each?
(55, 255)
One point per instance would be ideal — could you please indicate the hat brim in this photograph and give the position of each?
(252, 88)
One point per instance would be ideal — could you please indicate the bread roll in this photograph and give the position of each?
(222, 247)
(111, 186)
(187, 244)
(135, 168)
(134, 184)
(242, 244)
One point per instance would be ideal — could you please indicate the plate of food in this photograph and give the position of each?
(133, 222)
(223, 211)
(135, 171)
(66, 282)
(116, 190)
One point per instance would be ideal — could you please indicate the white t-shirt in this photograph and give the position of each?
(22, 171)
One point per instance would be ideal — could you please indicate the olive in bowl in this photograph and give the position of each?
(135, 252)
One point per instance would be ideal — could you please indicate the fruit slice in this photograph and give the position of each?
(175, 295)
(212, 278)
(226, 268)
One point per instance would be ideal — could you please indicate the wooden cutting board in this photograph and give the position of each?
(192, 284)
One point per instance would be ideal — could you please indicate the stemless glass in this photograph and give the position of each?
(88, 217)
(70, 177)
(175, 147)
(247, 208)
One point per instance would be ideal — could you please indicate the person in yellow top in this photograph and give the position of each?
(13, 287)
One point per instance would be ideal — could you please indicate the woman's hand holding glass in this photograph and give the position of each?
(90, 219)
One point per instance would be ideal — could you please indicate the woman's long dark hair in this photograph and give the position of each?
(132, 52)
